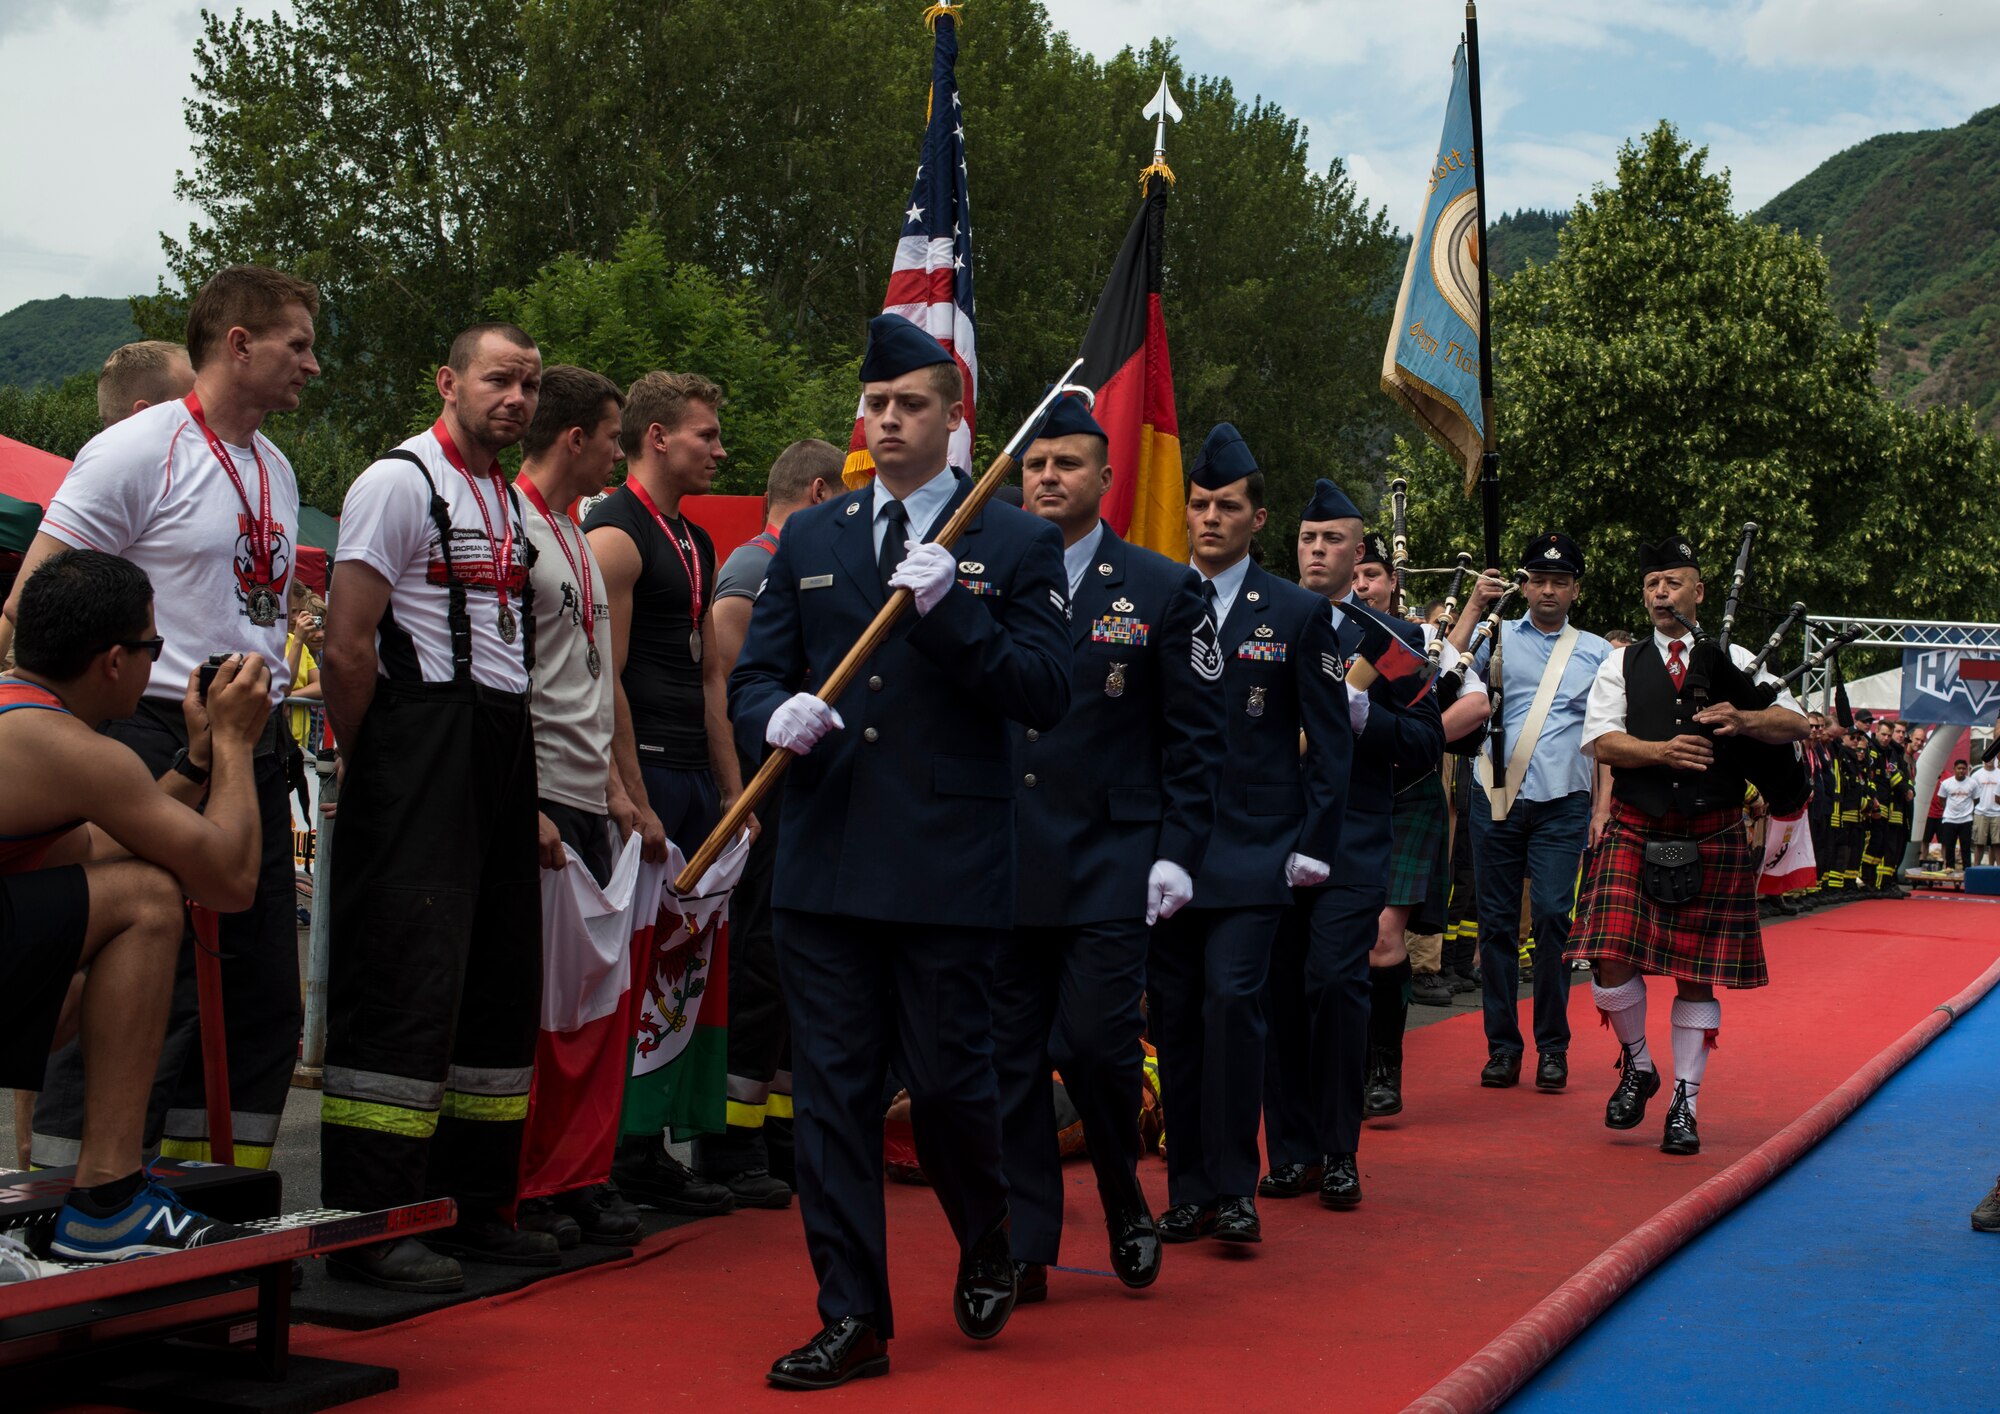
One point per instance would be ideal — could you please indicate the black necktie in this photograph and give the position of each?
(1208, 598)
(894, 519)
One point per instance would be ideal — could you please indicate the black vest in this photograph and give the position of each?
(1653, 713)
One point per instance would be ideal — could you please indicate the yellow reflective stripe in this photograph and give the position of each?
(742, 1116)
(493, 1108)
(248, 1156)
(779, 1106)
(386, 1119)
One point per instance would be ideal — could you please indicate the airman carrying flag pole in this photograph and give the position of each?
(1436, 364)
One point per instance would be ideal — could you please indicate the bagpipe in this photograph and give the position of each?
(1777, 770)
(1447, 684)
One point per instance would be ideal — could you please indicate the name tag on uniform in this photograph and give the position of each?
(1258, 652)
(817, 581)
(1118, 629)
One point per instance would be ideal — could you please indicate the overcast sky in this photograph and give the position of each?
(91, 101)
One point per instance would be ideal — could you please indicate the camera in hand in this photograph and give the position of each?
(215, 660)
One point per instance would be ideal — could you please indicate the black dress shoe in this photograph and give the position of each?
(1185, 1222)
(847, 1350)
(656, 1179)
(1551, 1071)
(1626, 1108)
(487, 1239)
(1384, 1095)
(1236, 1221)
(1135, 1248)
(1681, 1136)
(541, 1215)
(1430, 989)
(1031, 1283)
(1503, 1070)
(1986, 1217)
(602, 1217)
(1341, 1188)
(1284, 1181)
(988, 1283)
(403, 1265)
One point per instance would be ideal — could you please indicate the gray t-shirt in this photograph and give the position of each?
(571, 706)
(742, 574)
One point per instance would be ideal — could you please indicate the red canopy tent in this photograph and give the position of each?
(29, 473)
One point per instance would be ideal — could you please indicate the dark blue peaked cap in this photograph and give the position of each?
(1069, 416)
(1329, 502)
(1225, 457)
(895, 347)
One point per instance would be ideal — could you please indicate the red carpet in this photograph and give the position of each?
(1479, 1203)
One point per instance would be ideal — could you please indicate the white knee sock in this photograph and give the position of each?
(1695, 1028)
(1624, 1010)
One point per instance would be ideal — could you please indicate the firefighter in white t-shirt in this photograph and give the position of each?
(193, 493)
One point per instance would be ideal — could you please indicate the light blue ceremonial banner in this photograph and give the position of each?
(1936, 693)
(1431, 365)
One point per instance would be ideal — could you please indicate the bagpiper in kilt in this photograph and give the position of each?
(1673, 889)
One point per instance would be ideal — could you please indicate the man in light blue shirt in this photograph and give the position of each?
(1536, 822)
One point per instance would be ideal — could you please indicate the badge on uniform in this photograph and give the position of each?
(1056, 598)
(1114, 681)
(816, 581)
(982, 587)
(1119, 629)
(1205, 655)
(1255, 706)
(1122, 606)
(1332, 665)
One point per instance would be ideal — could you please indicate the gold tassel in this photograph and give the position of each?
(1159, 169)
(943, 9)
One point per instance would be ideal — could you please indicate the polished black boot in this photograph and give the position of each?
(1236, 1221)
(1551, 1071)
(847, 1350)
(1135, 1247)
(1384, 1094)
(1681, 1137)
(1031, 1283)
(1288, 1181)
(1341, 1188)
(983, 1297)
(1626, 1109)
(1185, 1222)
(1502, 1070)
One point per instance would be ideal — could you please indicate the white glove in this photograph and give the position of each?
(927, 572)
(800, 721)
(1302, 872)
(1168, 891)
(1357, 709)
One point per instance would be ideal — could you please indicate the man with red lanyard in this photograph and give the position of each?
(194, 495)
(760, 1080)
(569, 452)
(674, 744)
(434, 997)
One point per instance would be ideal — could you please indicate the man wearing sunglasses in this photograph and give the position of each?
(94, 859)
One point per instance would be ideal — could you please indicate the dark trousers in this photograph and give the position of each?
(1319, 1051)
(589, 835)
(759, 1034)
(260, 998)
(1541, 841)
(1461, 936)
(1956, 841)
(1070, 998)
(865, 996)
(1205, 974)
(685, 801)
(434, 992)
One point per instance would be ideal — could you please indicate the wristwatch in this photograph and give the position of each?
(186, 767)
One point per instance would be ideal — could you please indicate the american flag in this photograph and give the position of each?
(931, 284)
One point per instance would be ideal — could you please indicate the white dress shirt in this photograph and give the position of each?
(1077, 557)
(1227, 585)
(1606, 712)
(923, 506)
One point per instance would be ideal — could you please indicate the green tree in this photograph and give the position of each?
(412, 159)
(1678, 367)
(639, 311)
(58, 418)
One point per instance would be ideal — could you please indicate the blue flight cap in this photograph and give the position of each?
(1225, 458)
(1329, 502)
(895, 347)
(1069, 416)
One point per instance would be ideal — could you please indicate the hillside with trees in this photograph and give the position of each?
(47, 340)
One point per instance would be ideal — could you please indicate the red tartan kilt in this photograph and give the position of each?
(1712, 938)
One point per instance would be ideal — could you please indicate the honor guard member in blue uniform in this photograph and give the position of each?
(1535, 827)
(1278, 821)
(1114, 809)
(894, 886)
(1316, 1074)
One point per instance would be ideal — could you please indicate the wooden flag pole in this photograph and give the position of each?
(1489, 460)
(872, 637)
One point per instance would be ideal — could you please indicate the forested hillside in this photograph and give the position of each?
(46, 340)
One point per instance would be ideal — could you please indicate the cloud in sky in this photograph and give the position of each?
(1774, 87)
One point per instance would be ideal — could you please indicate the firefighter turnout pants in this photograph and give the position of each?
(434, 989)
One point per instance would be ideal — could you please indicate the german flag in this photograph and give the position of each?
(1125, 360)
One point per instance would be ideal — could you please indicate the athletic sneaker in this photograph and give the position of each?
(154, 1221)
(18, 1263)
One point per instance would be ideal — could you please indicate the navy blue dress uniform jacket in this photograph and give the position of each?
(1399, 741)
(1276, 644)
(1129, 776)
(906, 815)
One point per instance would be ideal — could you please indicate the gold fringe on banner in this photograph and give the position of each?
(942, 10)
(1157, 169)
